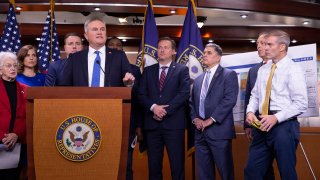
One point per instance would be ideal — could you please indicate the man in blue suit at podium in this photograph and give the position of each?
(97, 66)
(164, 92)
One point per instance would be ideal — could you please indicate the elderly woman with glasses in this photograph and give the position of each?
(12, 115)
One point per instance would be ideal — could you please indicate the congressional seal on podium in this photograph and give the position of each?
(78, 138)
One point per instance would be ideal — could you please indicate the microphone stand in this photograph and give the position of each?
(305, 156)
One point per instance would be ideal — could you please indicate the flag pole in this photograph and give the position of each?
(51, 26)
(13, 3)
(194, 8)
(142, 46)
(193, 161)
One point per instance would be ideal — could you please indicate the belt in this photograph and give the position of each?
(272, 112)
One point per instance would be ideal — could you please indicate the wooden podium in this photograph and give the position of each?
(48, 108)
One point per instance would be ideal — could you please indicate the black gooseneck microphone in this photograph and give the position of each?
(105, 76)
(98, 62)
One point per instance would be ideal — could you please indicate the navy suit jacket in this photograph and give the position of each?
(136, 112)
(175, 93)
(219, 102)
(54, 75)
(75, 72)
(251, 81)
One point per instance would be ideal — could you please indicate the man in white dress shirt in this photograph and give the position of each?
(280, 95)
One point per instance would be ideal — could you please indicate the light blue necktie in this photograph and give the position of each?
(203, 94)
(96, 71)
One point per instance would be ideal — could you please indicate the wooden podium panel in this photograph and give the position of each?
(50, 108)
(50, 113)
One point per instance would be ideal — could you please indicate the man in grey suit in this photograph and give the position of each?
(212, 100)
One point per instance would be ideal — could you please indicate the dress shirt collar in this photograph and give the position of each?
(102, 50)
(213, 69)
(282, 63)
(168, 65)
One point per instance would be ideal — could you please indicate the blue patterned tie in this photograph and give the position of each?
(203, 94)
(96, 71)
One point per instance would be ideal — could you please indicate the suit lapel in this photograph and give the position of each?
(108, 64)
(3, 96)
(169, 74)
(84, 63)
(214, 78)
(199, 85)
(155, 76)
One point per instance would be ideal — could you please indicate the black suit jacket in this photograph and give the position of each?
(219, 102)
(75, 72)
(251, 81)
(175, 93)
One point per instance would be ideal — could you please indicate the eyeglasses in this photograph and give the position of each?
(9, 66)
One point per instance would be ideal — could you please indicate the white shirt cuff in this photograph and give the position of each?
(214, 121)
(151, 108)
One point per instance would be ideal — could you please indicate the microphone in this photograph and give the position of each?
(98, 62)
(105, 77)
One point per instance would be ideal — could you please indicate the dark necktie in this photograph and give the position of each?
(96, 71)
(162, 77)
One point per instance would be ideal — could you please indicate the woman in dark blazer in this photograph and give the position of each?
(12, 113)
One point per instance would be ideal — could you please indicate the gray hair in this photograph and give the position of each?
(216, 47)
(282, 37)
(263, 33)
(7, 55)
(94, 17)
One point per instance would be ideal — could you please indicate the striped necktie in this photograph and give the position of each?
(162, 77)
(203, 94)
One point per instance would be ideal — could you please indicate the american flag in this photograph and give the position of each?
(10, 39)
(48, 48)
